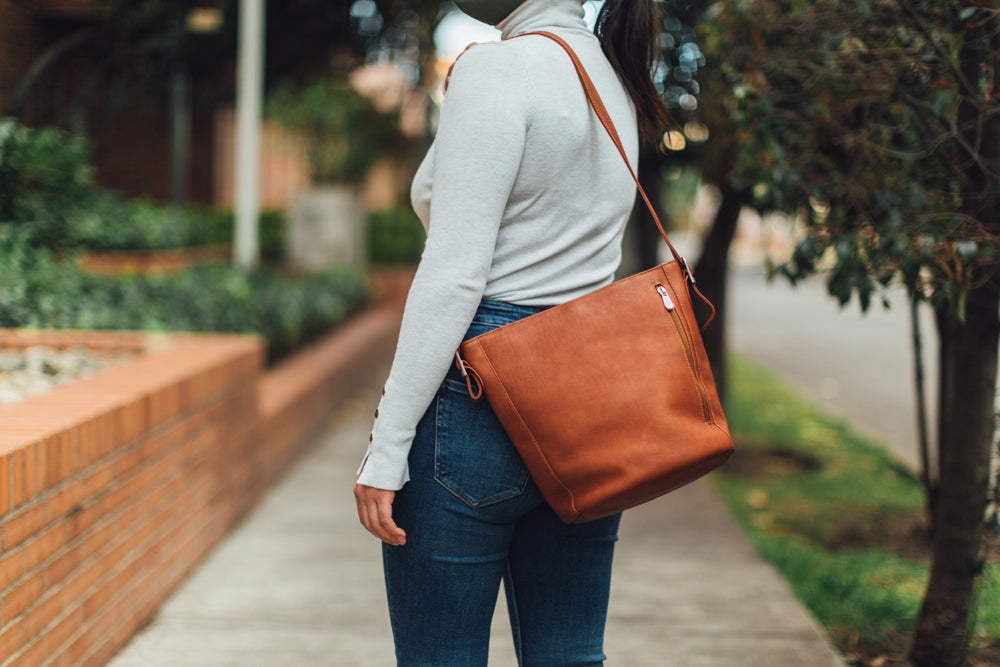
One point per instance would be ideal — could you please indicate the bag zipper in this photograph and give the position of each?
(670, 307)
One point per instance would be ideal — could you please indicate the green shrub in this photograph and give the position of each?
(395, 236)
(112, 224)
(47, 187)
(45, 177)
(217, 227)
(38, 291)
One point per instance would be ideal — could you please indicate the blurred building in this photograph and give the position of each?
(150, 138)
(49, 75)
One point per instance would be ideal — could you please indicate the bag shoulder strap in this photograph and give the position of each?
(602, 114)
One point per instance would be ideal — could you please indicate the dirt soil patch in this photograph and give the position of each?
(986, 656)
(758, 461)
(900, 533)
(904, 534)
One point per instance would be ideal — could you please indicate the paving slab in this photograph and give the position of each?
(299, 583)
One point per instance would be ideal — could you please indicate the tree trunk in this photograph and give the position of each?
(648, 236)
(968, 380)
(711, 274)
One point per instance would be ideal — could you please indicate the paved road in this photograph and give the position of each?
(860, 366)
(299, 584)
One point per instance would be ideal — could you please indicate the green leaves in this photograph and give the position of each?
(44, 175)
(395, 236)
(51, 209)
(854, 103)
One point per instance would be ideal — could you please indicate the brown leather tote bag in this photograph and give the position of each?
(608, 397)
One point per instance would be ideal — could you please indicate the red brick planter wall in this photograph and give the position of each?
(112, 488)
(171, 260)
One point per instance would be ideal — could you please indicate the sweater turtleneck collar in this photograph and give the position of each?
(537, 14)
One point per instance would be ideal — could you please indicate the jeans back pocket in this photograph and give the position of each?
(473, 457)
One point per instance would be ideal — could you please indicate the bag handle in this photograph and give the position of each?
(602, 114)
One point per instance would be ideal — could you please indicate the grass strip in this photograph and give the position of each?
(836, 514)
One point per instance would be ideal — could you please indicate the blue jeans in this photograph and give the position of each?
(474, 517)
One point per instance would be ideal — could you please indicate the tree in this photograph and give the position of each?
(877, 123)
(693, 99)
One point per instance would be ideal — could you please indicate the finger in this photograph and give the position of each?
(384, 508)
(364, 514)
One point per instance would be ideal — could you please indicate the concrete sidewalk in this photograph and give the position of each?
(299, 583)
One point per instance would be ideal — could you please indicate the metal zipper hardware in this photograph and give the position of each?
(687, 270)
(688, 348)
(667, 302)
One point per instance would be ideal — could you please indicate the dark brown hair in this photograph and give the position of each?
(628, 31)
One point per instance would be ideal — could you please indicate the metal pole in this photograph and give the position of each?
(249, 93)
(180, 136)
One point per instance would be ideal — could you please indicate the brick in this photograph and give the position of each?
(102, 653)
(30, 472)
(44, 612)
(87, 437)
(94, 602)
(11, 568)
(94, 434)
(112, 560)
(115, 499)
(65, 464)
(23, 595)
(42, 463)
(12, 637)
(54, 457)
(98, 479)
(80, 645)
(143, 535)
(21, 526)
(17, 471)
(82, 580)
(75, 446)
(99, 538)
(64, 564)
(33, 655)
(65, 501)
(43, 546)
(5, 483)
(80, 520)
(127, 462)
(64, 628)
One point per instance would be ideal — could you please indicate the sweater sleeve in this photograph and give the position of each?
(476, 157)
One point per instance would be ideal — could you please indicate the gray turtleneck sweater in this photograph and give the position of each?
(524, 198)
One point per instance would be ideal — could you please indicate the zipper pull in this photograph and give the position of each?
(662, 291)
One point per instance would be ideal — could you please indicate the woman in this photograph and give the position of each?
(525, 199)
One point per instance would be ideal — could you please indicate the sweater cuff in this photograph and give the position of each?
(382, 472)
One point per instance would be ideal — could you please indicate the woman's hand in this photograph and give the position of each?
(375, 512)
